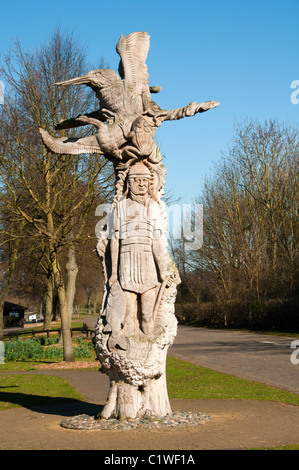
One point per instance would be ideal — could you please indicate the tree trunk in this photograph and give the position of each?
(55, 306)
(1, 318)
(138, 380)
(68, 353)
(89, 303)
(48, 303)
(137, 371)
(7, 281)
(128, 401)
(72, 271)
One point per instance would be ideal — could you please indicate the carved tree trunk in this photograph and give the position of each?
(128, 401)
(137, 323)
(138, 372)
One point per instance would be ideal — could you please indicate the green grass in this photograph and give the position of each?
(22, 366)
(186, 380)
(24, 390)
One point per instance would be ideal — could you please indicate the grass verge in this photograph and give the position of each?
(186, 380)
(24, 390)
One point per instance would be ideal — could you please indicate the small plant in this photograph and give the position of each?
(83, 349)
(52, 353)
(44, 341)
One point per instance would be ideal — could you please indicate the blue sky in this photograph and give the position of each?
(239, 52)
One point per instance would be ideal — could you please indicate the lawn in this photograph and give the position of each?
(186, 380)
(26, 390)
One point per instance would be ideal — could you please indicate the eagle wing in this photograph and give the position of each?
(133, 50)
(71, 146)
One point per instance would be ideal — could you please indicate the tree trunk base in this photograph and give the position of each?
(137, 373)
(128, 401)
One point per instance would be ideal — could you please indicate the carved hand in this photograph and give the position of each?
(205, 106)
(194, 107)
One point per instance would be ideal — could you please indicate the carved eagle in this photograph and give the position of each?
(124, 93)
(124, 99)
(121, 98)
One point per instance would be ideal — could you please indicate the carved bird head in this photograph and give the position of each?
(95, 79)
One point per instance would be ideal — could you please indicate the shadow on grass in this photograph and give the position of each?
(50, 405)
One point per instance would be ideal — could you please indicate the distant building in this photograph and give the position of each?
(13, 314)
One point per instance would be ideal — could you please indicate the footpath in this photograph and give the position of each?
(234, 424)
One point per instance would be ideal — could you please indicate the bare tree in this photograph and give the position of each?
(52, 193)
(251, 229)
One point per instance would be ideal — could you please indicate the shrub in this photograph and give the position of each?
(23, 350)
(254, 314)
(52, 353)
(34, 349)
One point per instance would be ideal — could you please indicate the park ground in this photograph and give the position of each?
(235, 423)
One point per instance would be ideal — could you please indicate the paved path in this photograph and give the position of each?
(261, 358)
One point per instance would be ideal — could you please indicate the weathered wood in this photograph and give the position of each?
(137, 322)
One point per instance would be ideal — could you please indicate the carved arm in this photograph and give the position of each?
(114, 247)
(179, 113)
(160, 257)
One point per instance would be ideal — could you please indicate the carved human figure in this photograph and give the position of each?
(138, 257)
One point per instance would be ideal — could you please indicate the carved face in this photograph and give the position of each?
(139, 185)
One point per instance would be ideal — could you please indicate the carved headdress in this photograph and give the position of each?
(139, 169)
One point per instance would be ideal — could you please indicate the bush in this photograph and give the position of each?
(34, 349)
(276, 314)
(19, 350)
(52, 353)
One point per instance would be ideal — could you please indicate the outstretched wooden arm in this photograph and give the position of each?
(189, 110)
